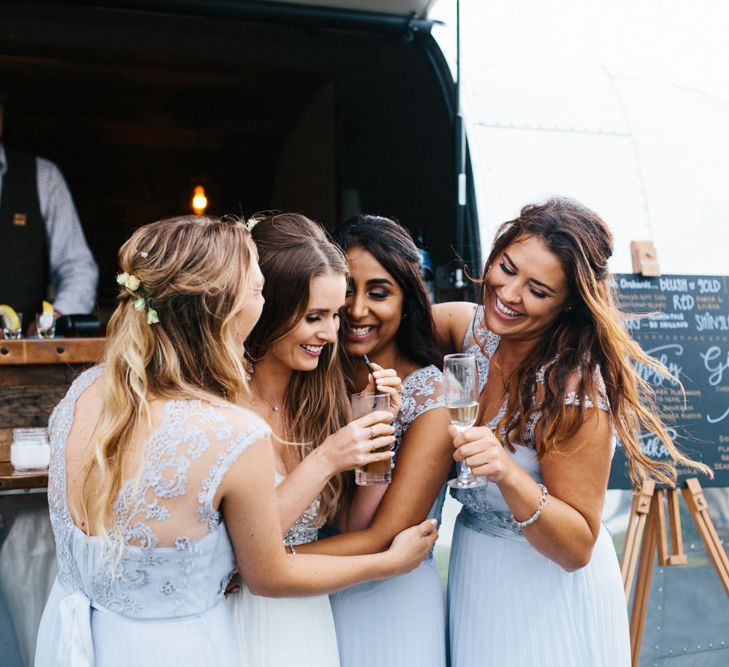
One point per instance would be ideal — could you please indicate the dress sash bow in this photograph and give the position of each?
(76, 648)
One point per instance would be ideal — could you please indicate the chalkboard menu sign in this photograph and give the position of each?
(683, 321)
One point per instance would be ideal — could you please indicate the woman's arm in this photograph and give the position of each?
(452, 320)
(576, 477)
(365, 501)
(348, 448)
(423, 463)
(251, 514)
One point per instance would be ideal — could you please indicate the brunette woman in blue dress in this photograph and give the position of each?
(534, 578)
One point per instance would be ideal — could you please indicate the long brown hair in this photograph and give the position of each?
(292, 251)
(587, 335)
(193, 271)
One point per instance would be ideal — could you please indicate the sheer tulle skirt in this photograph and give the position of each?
(398, 622)
(282, 632)
(509, 606)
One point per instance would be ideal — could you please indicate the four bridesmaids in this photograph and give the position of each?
(185, 464)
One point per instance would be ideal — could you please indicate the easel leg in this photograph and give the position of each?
(698, 507)
(647, 524)
(634, 534)
(677, 555)
(643, 587)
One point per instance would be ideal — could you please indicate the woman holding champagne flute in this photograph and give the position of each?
(534, 578)
(297, 386)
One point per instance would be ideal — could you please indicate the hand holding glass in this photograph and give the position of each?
(460, 378)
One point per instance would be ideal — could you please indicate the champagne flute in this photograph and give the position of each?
(461, 396)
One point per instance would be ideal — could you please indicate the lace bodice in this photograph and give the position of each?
(485, 505)
(422, 391)
(176, 558)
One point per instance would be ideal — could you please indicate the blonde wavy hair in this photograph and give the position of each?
(292, 250)
(587, 336)
(194, 271)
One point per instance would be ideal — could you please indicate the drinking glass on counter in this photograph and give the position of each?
(46, 323)
(379, 472)
(12, 325)
(460, 378)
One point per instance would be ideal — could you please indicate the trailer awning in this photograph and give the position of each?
(398, 7)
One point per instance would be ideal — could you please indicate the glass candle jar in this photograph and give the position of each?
(30, 449)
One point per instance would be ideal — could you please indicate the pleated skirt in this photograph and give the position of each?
(283, 632)
(398, 622)
(510, 606)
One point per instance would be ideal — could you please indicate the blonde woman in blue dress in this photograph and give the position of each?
(159, 482)
(399, 622)
(298, 387)
(534, 578)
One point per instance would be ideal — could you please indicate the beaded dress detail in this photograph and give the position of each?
(306, 527)
(169, 555)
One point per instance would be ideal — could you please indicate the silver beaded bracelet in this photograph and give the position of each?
(538, 512)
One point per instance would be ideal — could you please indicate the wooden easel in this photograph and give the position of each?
(647, 528)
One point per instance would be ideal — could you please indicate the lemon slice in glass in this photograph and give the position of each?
(12, 321)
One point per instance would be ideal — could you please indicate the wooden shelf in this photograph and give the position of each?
(10, 478)
(34, 376)
(35, 351)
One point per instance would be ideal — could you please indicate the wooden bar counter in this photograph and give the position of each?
(34, 376)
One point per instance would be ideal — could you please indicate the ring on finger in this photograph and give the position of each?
(373, 435)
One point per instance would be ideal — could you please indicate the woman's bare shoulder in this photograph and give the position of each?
(452, 319)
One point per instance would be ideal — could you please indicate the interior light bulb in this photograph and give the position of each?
(199, 200)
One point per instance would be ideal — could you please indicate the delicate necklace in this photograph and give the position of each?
(274, 406)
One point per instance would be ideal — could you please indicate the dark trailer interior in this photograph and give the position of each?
(320, 109)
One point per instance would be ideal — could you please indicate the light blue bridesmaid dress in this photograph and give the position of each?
(398, 622)
(510, 606)
(160, 603)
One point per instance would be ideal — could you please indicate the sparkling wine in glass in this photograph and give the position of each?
(460, 377)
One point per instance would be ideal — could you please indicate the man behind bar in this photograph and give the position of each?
(41, 240)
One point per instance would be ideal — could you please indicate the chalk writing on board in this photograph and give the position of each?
(683, 323)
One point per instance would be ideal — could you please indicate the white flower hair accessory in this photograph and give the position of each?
(132, 283)
(128, 280)
(141, 303)
(251, 223)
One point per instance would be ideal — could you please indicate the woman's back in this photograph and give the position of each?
(176, 558)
